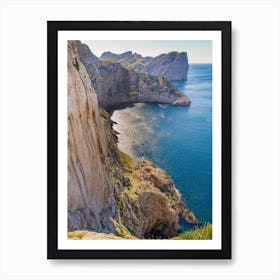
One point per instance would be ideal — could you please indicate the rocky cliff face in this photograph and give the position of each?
(173, 65)
(91, 201)
(107, 191)
(116, 85)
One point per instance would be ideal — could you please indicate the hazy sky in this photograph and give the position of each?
(199, 51)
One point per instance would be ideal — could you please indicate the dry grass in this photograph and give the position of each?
(203, 233)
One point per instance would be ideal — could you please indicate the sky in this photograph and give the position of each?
(199, 51)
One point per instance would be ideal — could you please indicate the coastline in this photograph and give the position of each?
(108, 191)
(131, 104)
(126, 142)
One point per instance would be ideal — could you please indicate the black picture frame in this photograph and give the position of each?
(53, 27)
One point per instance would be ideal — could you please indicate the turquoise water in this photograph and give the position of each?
(177, 139)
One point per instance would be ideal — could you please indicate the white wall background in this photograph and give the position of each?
(255, 103)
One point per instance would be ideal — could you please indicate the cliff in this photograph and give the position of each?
(91, 201)
(108, 192)
(116, 85)
(173, 65)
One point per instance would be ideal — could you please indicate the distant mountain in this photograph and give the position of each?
(117, 56)
(173, 65)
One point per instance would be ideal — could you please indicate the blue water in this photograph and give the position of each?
(177, 139)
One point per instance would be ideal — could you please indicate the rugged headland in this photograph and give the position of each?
(109, 194)
(116, 85)
(173, 65)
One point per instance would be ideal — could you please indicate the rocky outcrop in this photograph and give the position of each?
(150, 204)
(108, 192)
(116, 85)
(173, 65)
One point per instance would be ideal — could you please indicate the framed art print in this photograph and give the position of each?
(139, 140)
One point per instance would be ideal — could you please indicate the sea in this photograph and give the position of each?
(176, 139)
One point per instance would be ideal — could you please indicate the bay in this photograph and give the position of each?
(176, 139)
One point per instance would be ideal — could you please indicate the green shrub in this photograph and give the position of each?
(126, 160)
(123, 232)
(76, 64)
(203, 233)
